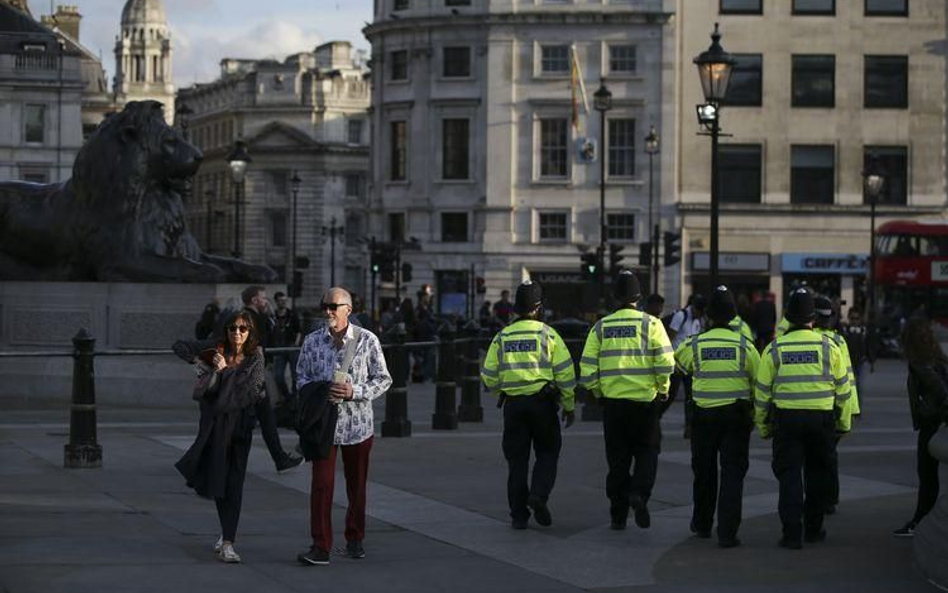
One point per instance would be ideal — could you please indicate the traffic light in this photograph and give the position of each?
(387, 268)
(672, 248)
(295, 289)
(645, 255)
(302, 262)
(615, 258)
(406, 272)
(590, 265)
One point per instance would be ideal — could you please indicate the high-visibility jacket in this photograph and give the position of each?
(740, 326)
(782, 327)
(840, 341)
(627, 356)
(723, 365)
(802, 370)
(524, 357)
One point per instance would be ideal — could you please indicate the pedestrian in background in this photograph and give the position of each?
(626, 364)
(530, 370)
(231, 379)
(927, 388)
(286, 333)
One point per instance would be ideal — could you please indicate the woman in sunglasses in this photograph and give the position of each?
(230, 385)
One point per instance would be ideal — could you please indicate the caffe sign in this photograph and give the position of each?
(825, 263)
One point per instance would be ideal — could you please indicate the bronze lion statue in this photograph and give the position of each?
(120, 218)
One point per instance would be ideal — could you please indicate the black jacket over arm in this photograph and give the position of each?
(317, 420)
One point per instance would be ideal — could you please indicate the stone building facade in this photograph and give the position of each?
(143, 56)
(308, 116)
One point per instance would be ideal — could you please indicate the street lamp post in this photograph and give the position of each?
(602, 101)
(714, 70)
(331, 232)
(238, 159)
(651, 148)
(873, 181)
(209, 221)
(295, 182)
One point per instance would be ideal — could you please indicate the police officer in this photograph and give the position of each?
(723, 365)
(626, 362)
(825, 324)
(803, 399)
(530, 369)
(736, 324)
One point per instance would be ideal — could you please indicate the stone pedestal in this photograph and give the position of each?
(930, 545)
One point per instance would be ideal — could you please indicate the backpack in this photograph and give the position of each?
(667, 319)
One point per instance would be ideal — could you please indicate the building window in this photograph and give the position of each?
(457, 2)
(814, 7)
(621, 147)
(399, 153)
(886, 82)
(455, 145)
(814, 81)
(739, 167)
(355, 232)
(396, 227)
(887, 8)
(355, 185)
(893, 160)
(453, 227)
(399, 65)
(553, 149)
(277, 229)
(742, 7)
(552, 226)
(457, 62)
(554, 59)
(620, 226)
(812, 175)
(277, 180)
(354, 131)
(34, 123)
(622, 58)
(400, 5)
(744, 88)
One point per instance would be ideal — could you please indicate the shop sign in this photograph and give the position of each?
(824, 263)
(557, 278)
(732, 262)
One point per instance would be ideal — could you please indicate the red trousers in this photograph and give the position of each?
(355, 462)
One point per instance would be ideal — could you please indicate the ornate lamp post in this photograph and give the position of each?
(238, 159)
(714, 70)
(651, 149)
(295, 183)
(602, 101)
(330, 233)
(873, 182)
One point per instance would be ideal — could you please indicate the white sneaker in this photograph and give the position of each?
(229, 554)
(219, 545)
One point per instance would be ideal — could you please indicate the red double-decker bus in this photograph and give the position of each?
(911, 268)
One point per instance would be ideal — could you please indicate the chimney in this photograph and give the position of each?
(66, 20)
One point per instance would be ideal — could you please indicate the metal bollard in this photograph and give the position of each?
(83, 451)
(396, 423)
(470, 409)
(445, 416)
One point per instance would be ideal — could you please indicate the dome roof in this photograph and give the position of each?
(143, 11)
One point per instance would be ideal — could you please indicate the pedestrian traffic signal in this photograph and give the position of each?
(406, 272)
(672, 248)
(645, 255)
(615, 258)
(295, 289)
(590, 265)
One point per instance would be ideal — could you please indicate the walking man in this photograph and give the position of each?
(350, 360)
(723, 364)
(530, 369)
(626, 363)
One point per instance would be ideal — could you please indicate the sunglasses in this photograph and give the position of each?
(332, 306)
(241, 328)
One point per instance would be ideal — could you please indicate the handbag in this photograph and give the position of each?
(205, 387)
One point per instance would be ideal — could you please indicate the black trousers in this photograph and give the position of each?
(268, 428)
(530, 421)
(833, 497)
(927, 467)
(803, 444)
(721, 433)
(228, 507)
(631, 432)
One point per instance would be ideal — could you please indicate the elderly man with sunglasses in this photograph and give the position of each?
(365, 377)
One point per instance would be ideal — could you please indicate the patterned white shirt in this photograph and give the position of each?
(369, 377)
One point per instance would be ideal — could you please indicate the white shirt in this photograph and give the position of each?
(685, 323)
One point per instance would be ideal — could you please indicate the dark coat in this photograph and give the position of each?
(317, 420)
(928, 394)
(225, 428)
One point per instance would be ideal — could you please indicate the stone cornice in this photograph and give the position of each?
(827, 209)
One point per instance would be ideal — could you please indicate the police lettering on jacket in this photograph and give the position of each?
(520, 346)
(719, 354)
(619, 331)
(806, 357)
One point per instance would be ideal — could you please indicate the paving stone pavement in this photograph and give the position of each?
(437, 514)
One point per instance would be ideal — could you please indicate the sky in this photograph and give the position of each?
(205, 31)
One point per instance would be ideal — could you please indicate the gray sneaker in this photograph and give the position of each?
(229, 554)
(219, 545)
